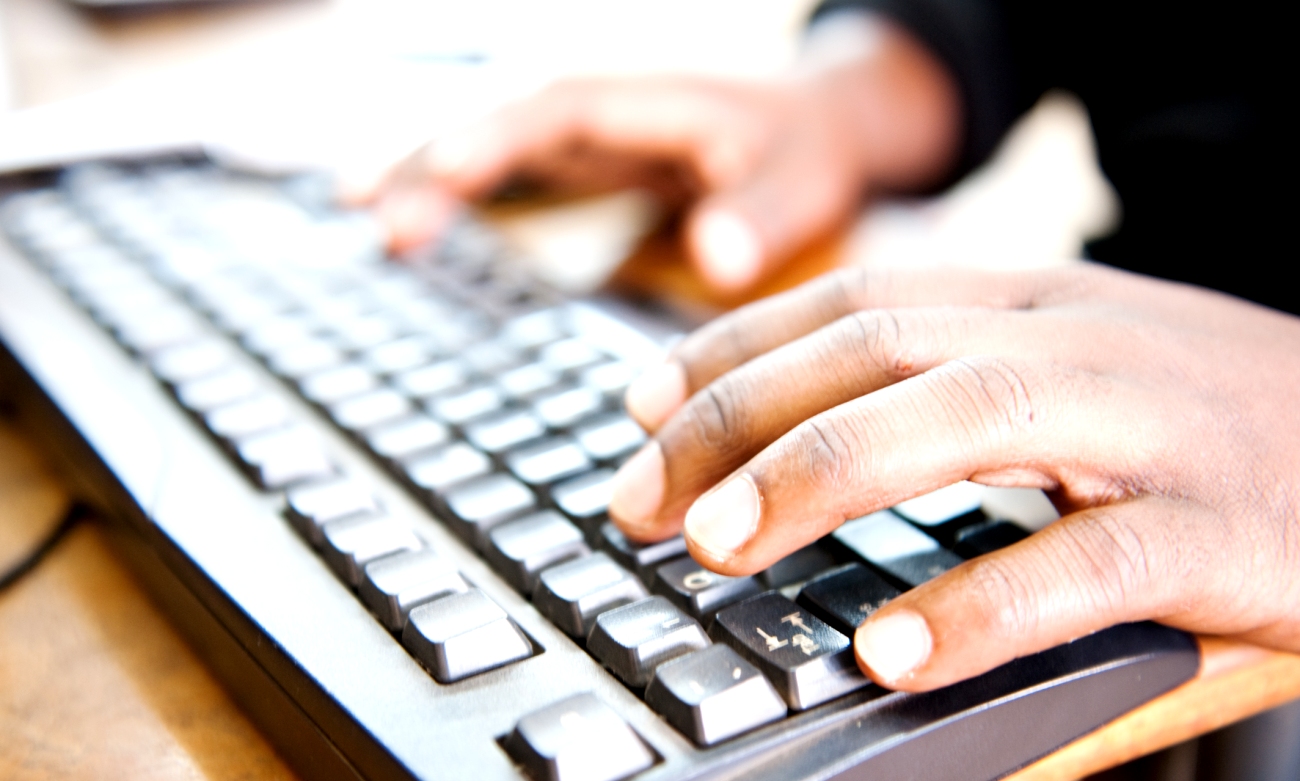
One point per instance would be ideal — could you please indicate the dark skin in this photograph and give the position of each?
(1158, 417)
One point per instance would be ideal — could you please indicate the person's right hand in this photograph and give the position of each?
(764, 167)
(1160, 418)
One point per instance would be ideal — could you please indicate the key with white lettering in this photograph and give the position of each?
(808, 661)
(635, 639)
(699, 591)
(713, 694)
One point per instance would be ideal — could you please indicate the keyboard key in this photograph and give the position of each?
(570, 355)
(231, 385)
(244, 419)
(395, 585)
(159, 329)
(310, 507)
(365, 331)
(489, 358)
(608, 438)
(341, 382)
(572, 594)
(481, 504)
(464, 406)
(528, 381)
(699, 591)
(610, 379)
(462, 635)
(713, 694)
(521, 549)
(845, 596)
(408, 437)
(797, 567)
(898, 549)
(398, 355)
(577, 739)
(440, 470)
(349, 544)
(431, 380)
(192, 361)
(987, 537)
(564, 409)
(643, 559)
(944, 513)
(548, 462)
(808, 661)
(304, 358)
(503, 432)
(373, 409)
(585, 499)
(533, 329)
(635, 639)
(942, 505)
(278, 333)
(282, 458)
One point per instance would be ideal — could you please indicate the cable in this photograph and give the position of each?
(76, 513)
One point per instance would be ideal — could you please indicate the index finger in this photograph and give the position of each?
(755, 329)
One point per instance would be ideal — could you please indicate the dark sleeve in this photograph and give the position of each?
(971, 37)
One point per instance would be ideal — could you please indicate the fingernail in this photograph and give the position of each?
(729, 248)
(638, 488)
(657, 393)
(723, 520)
(894, 645)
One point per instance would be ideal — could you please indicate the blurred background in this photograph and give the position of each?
(353, 85)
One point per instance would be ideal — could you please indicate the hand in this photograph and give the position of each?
(1161, 419)
(766, 167)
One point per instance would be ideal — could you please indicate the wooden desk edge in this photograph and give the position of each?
(1236, 680)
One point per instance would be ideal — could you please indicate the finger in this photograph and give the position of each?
(988, 419)
(413, 217)
(757, 328)
(798, 191)
(659, 119)
(740, 413)
(1140, 559)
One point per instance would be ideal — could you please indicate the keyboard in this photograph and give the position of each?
(372, 493)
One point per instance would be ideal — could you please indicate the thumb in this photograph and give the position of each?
(1086, 572)
(740, 234)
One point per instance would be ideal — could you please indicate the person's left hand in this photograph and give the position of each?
(1160, 418)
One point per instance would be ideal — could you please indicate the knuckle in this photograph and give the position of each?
(988, 394)
(1007, 594)
(890, 343)
(831, 453)
(1107, 561)
(718, 418)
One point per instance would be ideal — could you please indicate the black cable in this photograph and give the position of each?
(74, 515)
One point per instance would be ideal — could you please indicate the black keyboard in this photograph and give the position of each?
(374, 496)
